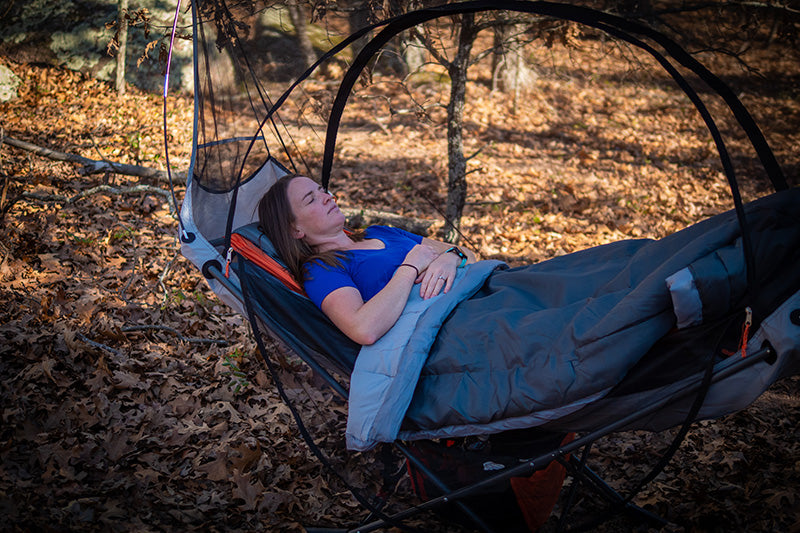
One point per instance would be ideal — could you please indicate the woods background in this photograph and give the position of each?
(133, 400)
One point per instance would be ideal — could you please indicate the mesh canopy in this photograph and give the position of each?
(235, 53)
(231, 158)
(238, 52)
(229, 100)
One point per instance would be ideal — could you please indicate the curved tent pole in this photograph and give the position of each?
(724, 156)
(583, 15)
(373, 46)
(615, 26)
(603, 21)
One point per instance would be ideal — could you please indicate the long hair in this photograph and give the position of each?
(275, 218)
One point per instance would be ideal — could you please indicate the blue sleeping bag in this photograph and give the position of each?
(528, 345)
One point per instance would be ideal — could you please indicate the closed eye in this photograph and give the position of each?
(310, 196)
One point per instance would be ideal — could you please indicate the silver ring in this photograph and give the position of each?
(442, 277)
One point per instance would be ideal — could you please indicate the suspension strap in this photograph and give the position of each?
(748, 321)
(164, 113)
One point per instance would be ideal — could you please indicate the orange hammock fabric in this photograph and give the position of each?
(253, 253)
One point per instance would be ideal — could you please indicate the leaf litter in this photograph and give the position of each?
(119, 410)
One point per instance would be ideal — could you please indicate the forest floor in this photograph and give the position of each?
(134, 400)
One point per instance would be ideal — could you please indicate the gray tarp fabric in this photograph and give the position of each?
(539, 341)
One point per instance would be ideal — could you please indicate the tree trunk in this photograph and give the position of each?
(300, 23)
(358, 16)
(498, 55)
(509, 71)
(457, 163)
(122, 52)
(410, 51)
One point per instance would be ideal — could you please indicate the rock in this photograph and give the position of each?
(75, 34)
(8, 84)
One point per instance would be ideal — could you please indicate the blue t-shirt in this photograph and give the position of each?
(367, 270)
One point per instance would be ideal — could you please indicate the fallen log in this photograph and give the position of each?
(356, 217)
(92, 166)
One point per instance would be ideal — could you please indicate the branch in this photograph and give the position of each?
(431, 48)
(717, 5)
(135, 189)
(176, 333)
(6, 178)
(95, 344)
(91, 166)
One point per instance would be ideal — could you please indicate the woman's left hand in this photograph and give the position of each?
(439, 275)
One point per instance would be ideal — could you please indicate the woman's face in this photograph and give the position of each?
(315, 212)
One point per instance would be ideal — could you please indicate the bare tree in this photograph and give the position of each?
(467, 29)
(122, 51)
(457, 167)
(299, 20)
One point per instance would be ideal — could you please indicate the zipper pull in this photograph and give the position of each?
(228, 259)
(748, 321)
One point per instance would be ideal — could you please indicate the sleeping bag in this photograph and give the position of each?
(514, 348)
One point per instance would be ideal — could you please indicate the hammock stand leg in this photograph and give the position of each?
(765, 354)
(577, 480)
(217, 274)
(441, 485)
(581, 473)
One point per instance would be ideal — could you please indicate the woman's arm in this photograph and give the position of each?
(366, 322)
(441, 273)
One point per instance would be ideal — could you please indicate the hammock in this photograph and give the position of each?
(232, 165)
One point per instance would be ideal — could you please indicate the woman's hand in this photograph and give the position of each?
(421, 256)
(366, 322)
(439, 275)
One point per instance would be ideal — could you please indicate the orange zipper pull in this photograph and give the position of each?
(228, 258)
(748, 321)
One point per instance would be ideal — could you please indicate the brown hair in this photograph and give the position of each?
(275, 218)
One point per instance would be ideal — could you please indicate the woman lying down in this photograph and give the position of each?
(360, 281)
(454, 346)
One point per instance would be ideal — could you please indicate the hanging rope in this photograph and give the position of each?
(164, 114)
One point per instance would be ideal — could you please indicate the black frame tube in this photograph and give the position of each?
(763, 354)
